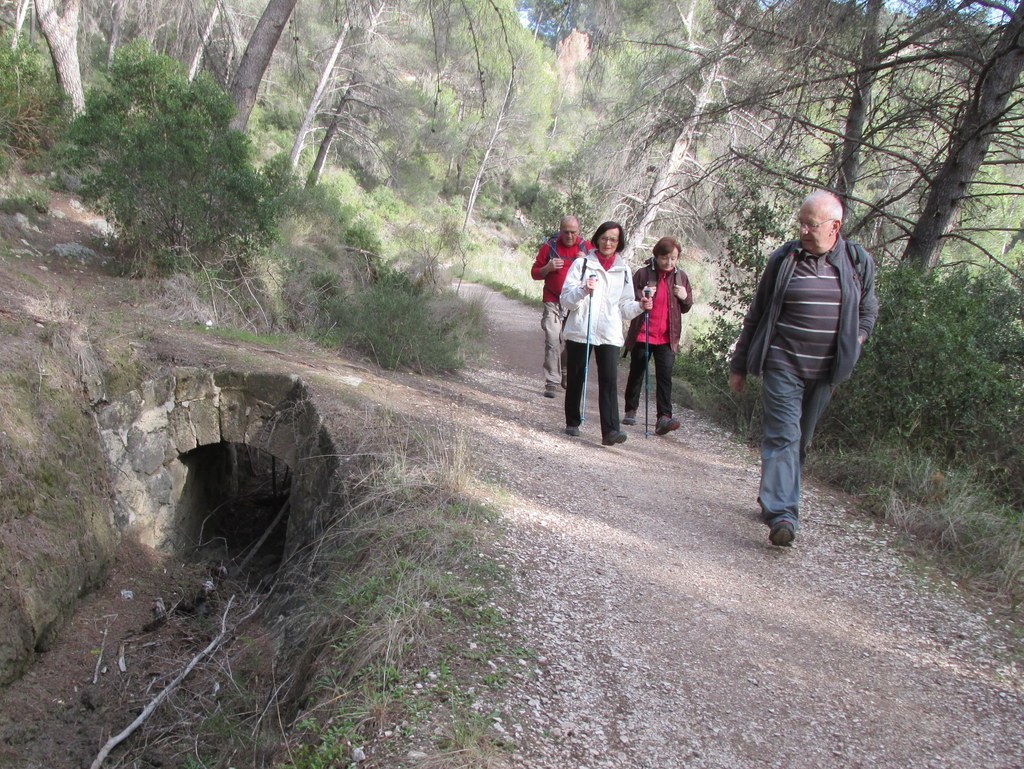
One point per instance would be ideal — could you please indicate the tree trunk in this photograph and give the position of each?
(318, 94)
(499, 126)
(117, 11)
(19, 21)
(197, 58)
(235, 38)
(61, 33)
(246, 82)
(325, 143)
(997, 79)
(662, 185)
(860, 105)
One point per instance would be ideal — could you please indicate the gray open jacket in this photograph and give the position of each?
(857, 313)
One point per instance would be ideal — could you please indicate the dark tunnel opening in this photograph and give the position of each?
(234, 509)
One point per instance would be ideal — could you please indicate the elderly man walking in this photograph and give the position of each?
(552, 265)
(814, 308)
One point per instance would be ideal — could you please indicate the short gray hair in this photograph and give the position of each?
(827, 201)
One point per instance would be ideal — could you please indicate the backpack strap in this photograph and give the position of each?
(551, 243)
(859, 259)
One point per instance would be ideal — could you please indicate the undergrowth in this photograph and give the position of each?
(415, 628)
(947, 514)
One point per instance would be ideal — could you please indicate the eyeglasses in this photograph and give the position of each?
(805, 226)
(608, 239)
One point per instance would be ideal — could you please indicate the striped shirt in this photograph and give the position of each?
(805, 335)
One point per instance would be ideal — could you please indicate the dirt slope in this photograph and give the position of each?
(667, 632)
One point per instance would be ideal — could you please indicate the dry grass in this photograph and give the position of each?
(406, 592)
(951, 513)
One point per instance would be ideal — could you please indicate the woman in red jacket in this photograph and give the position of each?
(658, 331)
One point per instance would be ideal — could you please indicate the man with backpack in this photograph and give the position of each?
(552, 265)
(814, 308)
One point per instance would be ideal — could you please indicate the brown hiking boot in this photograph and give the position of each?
(666, 425)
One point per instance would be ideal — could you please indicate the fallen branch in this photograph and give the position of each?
(99, 659)
(113, 742)
(263, 538)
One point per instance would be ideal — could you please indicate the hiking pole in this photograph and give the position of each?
(586, 357)
(647, 366)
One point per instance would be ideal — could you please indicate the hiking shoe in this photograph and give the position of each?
(550, 390)
(666, 425)
(615, 436)
(572, 430)
(629, 418)
(782, 534)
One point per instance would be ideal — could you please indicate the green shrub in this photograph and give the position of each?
(943, 373)
(401, 324)
(338, 213)
(25, 198)
(157, 154)
(750, 230)
(31, 103)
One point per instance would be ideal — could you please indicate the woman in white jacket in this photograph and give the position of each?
(598, 293)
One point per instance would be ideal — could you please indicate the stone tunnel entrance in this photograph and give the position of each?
(233, 510)
(231, 467)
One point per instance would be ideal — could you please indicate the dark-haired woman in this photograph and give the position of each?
(598, 292)
(656, 334)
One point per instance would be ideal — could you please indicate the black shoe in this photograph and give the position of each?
(550, 390)
(629, 418)
(615, 436)
(666, 425)
(782, 534)
(572, 430)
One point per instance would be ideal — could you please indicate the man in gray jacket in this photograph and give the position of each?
(814, 308)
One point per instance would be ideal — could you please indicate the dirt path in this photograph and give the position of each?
(659, 628)
(671, 634)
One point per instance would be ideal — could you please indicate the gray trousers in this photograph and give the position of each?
(792, 407)
(554, 349)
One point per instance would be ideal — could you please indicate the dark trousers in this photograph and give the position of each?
(607, 357)
(664, 360)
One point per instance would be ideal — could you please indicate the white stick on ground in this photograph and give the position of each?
(99, 659)
(113, 742)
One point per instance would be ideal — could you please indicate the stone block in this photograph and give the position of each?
(205, 418)
(183, 434)
(121, 412)
(193, 384)
(233, 415)
(146, 451)
(159, 393)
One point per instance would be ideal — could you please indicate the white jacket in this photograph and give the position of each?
(611, 304)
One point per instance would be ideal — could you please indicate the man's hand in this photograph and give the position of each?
(554, 264)
(646, 303)
(680, 293)
(736, 382)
